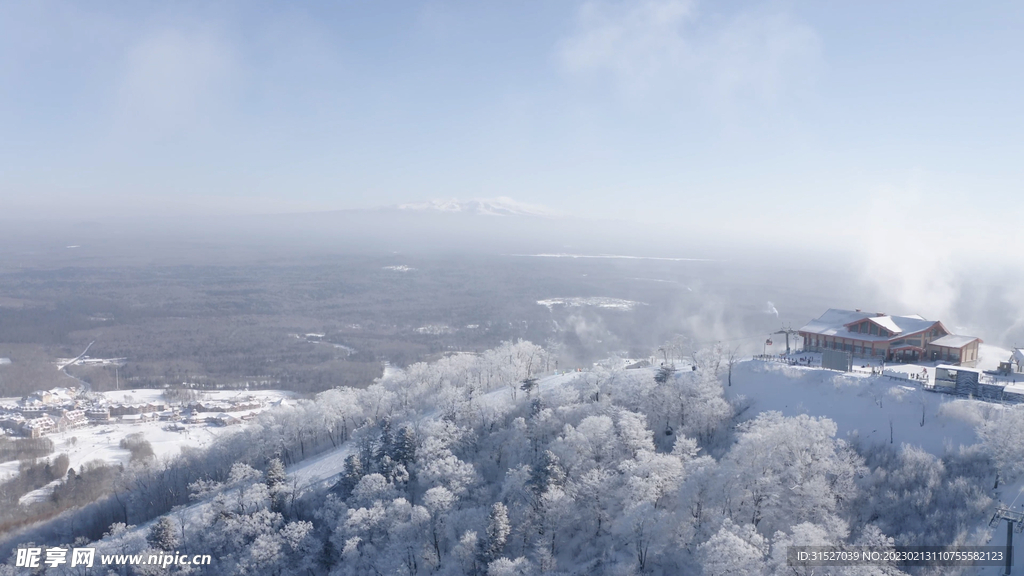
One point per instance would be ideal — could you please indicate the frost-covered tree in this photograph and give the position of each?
(163, 535)
(1002, 435)
(505, 567)
(786, 470)
(498, 530)
(276, 475)
(438, 501)
(733, 551)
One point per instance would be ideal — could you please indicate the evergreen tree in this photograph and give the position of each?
(163, 535)
(351, 476)
(276, 475)
(387, 441)
(664, 374)
(405, 447)
(529, 385)
(498, 529)
(546, 473)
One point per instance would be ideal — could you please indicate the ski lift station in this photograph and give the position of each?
(893, 338)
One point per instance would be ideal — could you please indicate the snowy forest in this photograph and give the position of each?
(488, 465)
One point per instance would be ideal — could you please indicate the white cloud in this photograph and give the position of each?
(671, 47)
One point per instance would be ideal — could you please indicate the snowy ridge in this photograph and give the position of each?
(500, 206)
(595, 301)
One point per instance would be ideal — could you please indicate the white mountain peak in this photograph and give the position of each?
(500, 206)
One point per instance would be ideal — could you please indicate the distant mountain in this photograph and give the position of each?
(501, 206)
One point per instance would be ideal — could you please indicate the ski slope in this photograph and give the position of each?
(874, 409)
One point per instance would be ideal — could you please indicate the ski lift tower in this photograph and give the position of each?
(787, 332)
(1014, 523)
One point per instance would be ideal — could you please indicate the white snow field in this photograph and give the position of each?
(862, 406)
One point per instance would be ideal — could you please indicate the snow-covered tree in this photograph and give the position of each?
(733, 551)
(498, 530)
(163, 535)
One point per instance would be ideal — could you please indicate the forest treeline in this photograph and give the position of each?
(470, 466)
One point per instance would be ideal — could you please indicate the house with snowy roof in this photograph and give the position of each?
(36, 427)
(893, 338)
(1017, 359)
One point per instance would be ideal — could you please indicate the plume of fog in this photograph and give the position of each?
(771, 309)
(919, 256)
(896, 260)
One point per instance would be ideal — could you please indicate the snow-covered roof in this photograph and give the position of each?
(1018, 355)
(953, 341)
(888, 323)
(957, 368)
(834, 322)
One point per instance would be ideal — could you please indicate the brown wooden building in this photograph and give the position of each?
(894, 338)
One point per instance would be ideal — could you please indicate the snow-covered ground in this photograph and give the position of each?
(155, 395)
(863, 406)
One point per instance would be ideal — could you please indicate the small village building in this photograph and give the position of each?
(892, 338)
(98, 414)
(169, 415)
(71, 419)
(13, 422)
(41, 396)
(224, 419)
(37, 427)
(1017, 360)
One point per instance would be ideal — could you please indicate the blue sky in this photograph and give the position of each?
(801, 117)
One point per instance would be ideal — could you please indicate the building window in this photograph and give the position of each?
(874, 329)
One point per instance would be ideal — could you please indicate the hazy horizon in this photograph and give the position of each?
(741, 119)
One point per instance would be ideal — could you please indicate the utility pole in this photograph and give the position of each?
(1014, 523)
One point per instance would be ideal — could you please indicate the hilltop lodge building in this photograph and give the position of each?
(894, 338)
